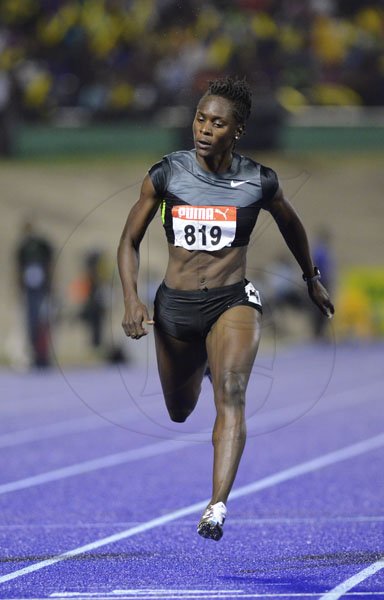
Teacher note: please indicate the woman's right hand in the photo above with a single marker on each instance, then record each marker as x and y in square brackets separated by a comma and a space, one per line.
[136, 313]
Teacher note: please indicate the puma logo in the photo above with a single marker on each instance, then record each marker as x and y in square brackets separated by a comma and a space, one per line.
[222, 212]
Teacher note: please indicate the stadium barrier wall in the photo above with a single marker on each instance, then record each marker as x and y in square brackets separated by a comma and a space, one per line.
[42, 141]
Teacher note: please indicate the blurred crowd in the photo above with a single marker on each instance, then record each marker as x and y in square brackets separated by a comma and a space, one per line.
[109, 58]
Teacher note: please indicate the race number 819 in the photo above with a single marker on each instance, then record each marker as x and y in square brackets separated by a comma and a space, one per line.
[214, 233]
[204, 227]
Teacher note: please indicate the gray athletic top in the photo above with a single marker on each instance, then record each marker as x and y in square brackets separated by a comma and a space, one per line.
[210, 211]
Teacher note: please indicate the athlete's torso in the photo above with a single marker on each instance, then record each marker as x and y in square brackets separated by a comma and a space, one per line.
[209, 211]
[205, 214]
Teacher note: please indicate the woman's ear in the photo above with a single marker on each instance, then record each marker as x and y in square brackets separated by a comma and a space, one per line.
[239, 132]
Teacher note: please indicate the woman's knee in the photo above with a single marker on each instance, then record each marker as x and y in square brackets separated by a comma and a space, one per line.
[231, 392]
[180, 406]
[178, 415]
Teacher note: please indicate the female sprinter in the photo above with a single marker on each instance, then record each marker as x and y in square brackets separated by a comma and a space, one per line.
[205, 309]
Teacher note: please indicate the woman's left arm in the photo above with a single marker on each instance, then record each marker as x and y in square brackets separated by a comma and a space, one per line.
[295, 236]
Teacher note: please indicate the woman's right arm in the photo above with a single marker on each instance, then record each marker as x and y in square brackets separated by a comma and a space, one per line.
[128, 258]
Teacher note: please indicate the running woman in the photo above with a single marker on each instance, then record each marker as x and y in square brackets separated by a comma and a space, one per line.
[206, 311]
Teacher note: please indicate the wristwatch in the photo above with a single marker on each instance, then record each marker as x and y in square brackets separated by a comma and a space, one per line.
[315, 277]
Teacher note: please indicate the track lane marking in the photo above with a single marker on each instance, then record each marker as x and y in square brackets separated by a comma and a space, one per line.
[189, 522]
[301, 469]
[207, 596]
[53, 430]
[105, 462]
[104, 596]
[271, 418]
[87, 423]
[204, 595]
[353, 581]
[43, 432]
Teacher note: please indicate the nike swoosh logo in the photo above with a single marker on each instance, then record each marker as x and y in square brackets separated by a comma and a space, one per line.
[237, 183]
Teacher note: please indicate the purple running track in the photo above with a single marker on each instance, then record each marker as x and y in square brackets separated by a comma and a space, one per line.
[92, 465]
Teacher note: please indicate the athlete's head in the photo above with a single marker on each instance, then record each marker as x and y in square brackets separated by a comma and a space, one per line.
[235, 90]
[221, 115]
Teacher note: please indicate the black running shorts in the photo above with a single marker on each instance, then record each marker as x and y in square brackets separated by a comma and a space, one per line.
[189, 314]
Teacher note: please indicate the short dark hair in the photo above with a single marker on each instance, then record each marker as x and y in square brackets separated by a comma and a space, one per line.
[236, 90]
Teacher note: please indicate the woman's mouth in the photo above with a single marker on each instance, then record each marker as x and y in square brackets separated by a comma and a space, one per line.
[203, 144]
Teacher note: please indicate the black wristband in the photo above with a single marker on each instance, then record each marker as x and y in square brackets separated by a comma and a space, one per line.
[315, 277]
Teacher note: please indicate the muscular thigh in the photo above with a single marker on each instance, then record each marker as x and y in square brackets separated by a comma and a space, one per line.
[232, 343]
[181, 366]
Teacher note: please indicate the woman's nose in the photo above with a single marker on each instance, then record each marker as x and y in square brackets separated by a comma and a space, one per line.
[206, 129]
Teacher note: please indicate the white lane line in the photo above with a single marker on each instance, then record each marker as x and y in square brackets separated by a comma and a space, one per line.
[353, 581]
[190, 522]
[300, 469]
[273, 521]
[75, 425]
[344, 398]
[275, 416]
[207, 596]
[212, 597]
[271, 418]
[43, 432]
[88, 466]
[329, 404]
[155, 593]
[311, 465]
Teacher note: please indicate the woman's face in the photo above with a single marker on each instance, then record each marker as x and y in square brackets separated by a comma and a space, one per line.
[214, 126]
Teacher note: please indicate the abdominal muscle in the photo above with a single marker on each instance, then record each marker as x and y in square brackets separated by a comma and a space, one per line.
[198, 269]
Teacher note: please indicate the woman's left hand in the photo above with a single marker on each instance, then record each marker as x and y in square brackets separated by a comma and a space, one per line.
[319, 295]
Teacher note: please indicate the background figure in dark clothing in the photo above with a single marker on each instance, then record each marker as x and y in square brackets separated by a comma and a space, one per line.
[34, 256]
[94, 309]
[323, 259]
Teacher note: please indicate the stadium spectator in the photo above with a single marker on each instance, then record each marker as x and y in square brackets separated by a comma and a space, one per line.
[93, 310]
[34, 259]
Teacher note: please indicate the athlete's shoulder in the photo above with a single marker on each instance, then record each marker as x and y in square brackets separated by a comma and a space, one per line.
[160, 174]
[246, 162]
[269, 182]
[171, 164]
[268, 177]
[182, 157]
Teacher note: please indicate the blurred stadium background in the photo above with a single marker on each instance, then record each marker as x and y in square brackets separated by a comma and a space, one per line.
[92, 92]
